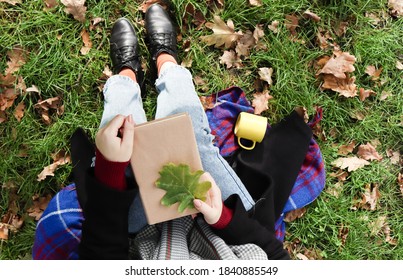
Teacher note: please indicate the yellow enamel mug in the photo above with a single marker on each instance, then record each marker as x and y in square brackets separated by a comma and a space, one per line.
[251, 127]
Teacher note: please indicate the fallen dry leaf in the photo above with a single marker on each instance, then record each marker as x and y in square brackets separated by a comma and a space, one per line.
[400, 182]
[33, 88]
[195, 15]
[39, 205]
[19, 111]
[44, 106]
[310, 15]
[343, 234]
[399, 65]
[256, 3]
[379, 226]
[146, 4]
[274, 26]
[76, 8]
[339, 64]
[59, 159]
[265, 74]
[223, 34]
[294, 214]
[350, 163]
[394, 156]
[396, 7]
[369, 198]
[335, 189]
[11, 2]
[245, 43]
[17, 57]
[373, 72]
[86, 41]
[260, 101]
[365, 93]
[51, 4]
[341, 29]
[341, 175]
[368, 152]
[95, 22]
[231, 59]
[7, 98]
[346, 149]
[345, 87]
[3, 231]
[291, 23]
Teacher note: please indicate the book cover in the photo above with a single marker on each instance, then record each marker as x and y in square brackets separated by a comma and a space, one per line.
[156, 143]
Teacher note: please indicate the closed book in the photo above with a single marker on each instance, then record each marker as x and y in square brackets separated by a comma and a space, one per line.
[157, 143]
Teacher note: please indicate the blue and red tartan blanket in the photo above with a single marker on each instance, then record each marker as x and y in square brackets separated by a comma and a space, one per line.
[58, 232]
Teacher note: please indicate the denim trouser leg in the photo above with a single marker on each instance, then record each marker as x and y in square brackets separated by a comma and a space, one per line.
[123, 96]
[176, 94]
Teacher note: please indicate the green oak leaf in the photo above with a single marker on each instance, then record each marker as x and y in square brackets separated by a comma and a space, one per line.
[181, 185]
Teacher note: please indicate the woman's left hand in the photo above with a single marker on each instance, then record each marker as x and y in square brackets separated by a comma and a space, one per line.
[212, 208]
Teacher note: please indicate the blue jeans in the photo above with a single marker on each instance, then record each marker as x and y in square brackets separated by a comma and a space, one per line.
[176, 94]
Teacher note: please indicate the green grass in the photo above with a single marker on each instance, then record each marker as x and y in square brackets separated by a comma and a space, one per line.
[57, 68]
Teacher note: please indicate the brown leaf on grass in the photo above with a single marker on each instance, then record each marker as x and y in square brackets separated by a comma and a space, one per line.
[256, 3]
[399, 65]
[33, 88]
[50, 4]
[294, 214]
[341, 29]
[350, 163]
[274, 26]
[260, 101]
[291, 23]
[86, 41]
[343, 234]
[44, 106]
[146, 4]
[373, 72]
[16, 58]
[396, 7]
[400, 182]
[346, 149]
[95, 21]
[7, 98]
[231, 59]
[76, 8]
[38, 206]
[335, 189]
[19, 111]
[59, 159]
[369, 198]
[3, 232]
[223, 34]
[368, 152]
[345, 87]
[265, 74]
[310, 15]
[12, 2]
[365, 93]
[394, 156]
[196, 16]
[3, 116]
[339, 65]
[380, 226]
[341, 175]
[106, 73]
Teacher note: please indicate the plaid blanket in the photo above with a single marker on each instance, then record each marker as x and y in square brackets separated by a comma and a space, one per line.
[311, 178]
[58, 232]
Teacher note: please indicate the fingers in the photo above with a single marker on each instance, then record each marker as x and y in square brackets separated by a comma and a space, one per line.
[128, 133]
[113, 126]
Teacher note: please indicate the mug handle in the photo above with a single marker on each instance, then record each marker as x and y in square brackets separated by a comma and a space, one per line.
[246, 148]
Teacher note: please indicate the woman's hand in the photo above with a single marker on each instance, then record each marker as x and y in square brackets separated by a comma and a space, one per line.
[212, 208]
[113, 147]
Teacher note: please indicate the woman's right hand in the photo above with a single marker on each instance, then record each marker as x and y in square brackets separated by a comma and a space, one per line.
[113, 147]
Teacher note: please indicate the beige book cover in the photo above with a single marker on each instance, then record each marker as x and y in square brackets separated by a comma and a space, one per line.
[157, 143]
